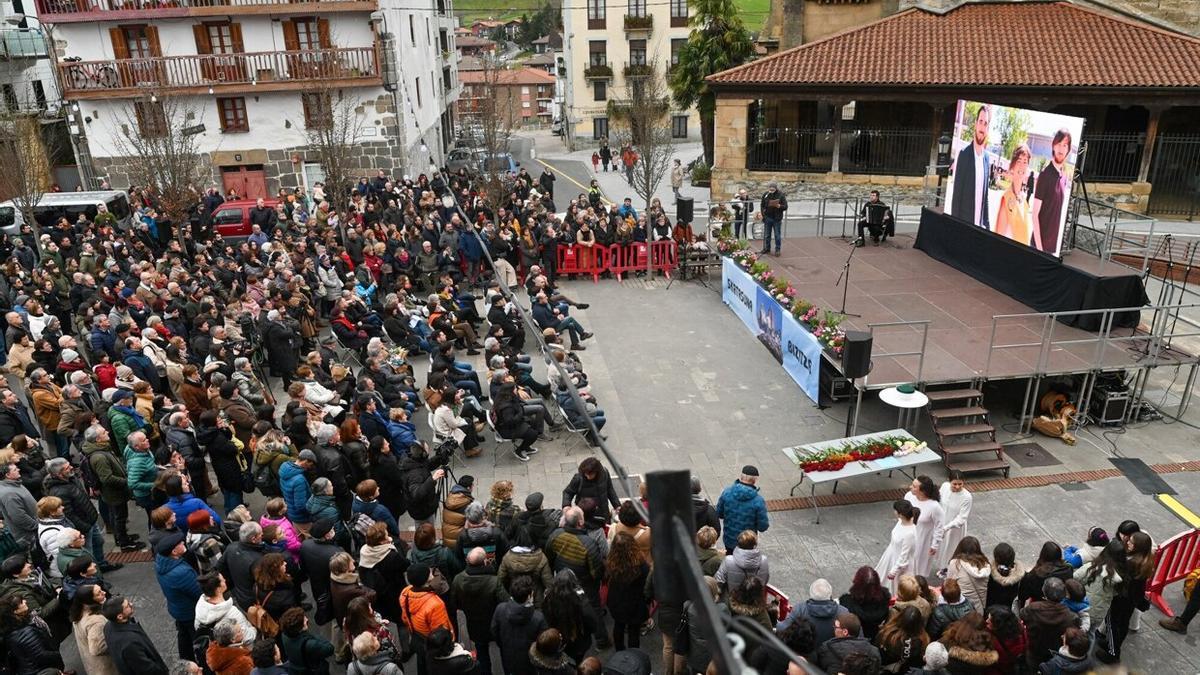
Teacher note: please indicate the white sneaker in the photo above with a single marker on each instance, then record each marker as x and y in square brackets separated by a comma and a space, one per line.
[520, 455]
[531, 451]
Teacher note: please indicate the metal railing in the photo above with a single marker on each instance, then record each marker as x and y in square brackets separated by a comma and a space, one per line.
[903, 152]
[790, 149]
[923, 325]
[22, 43]
[63, 7]
[1113, 157]
[100, 78]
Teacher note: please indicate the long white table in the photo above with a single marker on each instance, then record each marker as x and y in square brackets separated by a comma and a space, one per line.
[904, 464]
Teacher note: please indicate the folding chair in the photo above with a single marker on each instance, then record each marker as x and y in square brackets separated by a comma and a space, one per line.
[500, 440]
[347, 354]
[578, 433]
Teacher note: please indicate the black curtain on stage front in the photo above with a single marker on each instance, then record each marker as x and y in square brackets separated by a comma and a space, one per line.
[1034, 278]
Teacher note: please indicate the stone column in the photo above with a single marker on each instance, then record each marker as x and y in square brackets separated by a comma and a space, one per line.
[730, 126]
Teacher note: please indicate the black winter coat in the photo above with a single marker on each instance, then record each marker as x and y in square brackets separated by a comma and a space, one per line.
[77, 507]
[218, 443]
[601, 489]
[132, 650]
[390, 478]
[386, 578]
[627, 600]
[237, 565]
[31, 648]
[330, 465]
[314, 558]
[514, 628]
[282, 345]
[420, 490]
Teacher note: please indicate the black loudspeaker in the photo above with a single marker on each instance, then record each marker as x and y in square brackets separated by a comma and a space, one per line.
[856, 354]
[684, 209]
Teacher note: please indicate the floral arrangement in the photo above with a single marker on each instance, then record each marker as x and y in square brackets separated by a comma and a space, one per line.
[821, 323]
[834, 459]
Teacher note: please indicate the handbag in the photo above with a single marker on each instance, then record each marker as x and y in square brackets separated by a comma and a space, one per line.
[682, 643]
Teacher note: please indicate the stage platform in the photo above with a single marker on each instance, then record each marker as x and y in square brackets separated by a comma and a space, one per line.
[894, 282]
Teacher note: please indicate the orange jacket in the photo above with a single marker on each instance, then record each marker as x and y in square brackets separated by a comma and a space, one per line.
[423, 612]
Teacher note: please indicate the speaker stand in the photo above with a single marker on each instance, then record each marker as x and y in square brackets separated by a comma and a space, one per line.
[845, 273]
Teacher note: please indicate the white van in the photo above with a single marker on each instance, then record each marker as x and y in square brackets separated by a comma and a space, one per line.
[55, 205]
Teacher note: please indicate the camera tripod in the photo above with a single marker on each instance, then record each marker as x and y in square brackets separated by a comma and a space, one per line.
[447, 481]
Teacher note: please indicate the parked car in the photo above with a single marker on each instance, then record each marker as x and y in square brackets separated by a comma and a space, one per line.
[462, 158]
[232, 219]
[55, 205]
[501, 162]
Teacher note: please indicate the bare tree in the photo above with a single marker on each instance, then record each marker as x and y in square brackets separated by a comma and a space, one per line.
[334, 126]
[160, 138]
[493, 110]
[25, 172]
[640, 119]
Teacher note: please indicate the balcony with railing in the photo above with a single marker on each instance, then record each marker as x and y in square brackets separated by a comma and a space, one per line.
[639, 25]
[72, 11]
[220, 73]
[598, 71]
[22, 43]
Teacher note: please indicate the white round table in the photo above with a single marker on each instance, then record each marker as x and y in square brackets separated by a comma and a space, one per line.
[907, 404]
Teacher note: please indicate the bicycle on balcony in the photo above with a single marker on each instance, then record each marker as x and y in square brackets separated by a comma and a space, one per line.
[91, 75]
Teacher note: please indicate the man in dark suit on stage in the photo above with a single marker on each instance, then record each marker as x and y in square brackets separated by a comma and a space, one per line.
[972, 171]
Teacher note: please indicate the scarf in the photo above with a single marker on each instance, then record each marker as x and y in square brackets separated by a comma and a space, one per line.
[347, 578]
[137, 417]
[371, 556]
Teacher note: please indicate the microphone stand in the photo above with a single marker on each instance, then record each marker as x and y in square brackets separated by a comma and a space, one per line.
[846, 273]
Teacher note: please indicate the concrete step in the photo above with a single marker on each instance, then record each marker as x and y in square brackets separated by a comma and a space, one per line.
[963, 429]
[978, 465]
[967, 448]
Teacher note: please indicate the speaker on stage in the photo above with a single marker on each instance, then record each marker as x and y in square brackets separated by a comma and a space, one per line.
[856, 354]
[683, 209]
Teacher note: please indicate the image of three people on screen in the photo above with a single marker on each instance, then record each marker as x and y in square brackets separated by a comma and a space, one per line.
[1010, 195]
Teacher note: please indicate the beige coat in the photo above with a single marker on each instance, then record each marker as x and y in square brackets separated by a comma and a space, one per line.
[93, 650]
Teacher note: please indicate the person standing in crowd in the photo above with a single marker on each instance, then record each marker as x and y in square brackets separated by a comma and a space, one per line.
[592, 481]
[677, 178]
[742, 508]
[478, 592]
[970, 568]
[516, 624]
[867, 600]
[422, 612]
[132, 651]
[773, 208]
[181, 587]
[570, 548]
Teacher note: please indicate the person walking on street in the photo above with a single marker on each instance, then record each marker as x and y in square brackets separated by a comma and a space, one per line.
[677, 178]
[742, 508]
[629, 159]
[605, 155]
[773, 207]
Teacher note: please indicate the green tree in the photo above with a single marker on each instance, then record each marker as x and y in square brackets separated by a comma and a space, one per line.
[1013, 127]
[968, 129]
[719, 41]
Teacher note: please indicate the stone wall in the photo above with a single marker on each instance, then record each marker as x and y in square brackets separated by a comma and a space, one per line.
[1182, 15]
[796, 22]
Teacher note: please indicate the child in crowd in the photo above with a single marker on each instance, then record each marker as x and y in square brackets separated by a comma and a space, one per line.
[1077, 602]
[1096, 540]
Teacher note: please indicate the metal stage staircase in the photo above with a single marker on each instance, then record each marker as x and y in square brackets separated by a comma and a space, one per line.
[965, 435]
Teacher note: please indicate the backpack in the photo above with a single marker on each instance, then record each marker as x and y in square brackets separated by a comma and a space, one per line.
[90, 480]
[1189, 583]
[265, 481]
[359, 524]
[260, 618]
[37, 554]
[200, 642]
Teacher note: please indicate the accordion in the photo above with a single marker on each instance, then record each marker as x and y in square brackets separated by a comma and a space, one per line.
[875, 213]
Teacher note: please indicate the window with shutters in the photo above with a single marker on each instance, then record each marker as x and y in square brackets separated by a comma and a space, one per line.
[233, 115]
[679, 13]
[600, 90]
[136, 40]
[636, 8]
[597, 11]
[151, 118]
[318, 110]
[308, 34]
[637, 52]
[599, 128]
[597, 52]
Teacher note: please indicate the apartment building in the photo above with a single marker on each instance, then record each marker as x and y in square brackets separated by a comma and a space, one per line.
[608, 42]
[253, 75]
[524, 97]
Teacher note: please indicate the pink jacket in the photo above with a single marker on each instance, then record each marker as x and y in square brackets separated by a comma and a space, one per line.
[290, 535]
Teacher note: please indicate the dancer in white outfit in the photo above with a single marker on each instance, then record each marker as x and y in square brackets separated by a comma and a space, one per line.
[897, 559]
[956, 503]
[924, 496]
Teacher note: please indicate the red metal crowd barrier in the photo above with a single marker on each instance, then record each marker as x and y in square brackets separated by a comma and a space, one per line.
[582, 260]
[1174, 560]
[785, 606]
[664, 255]
[627, 258]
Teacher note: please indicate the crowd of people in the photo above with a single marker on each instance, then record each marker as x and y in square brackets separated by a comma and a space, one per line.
[137, 365]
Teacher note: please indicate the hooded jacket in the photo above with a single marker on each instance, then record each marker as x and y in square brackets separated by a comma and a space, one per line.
[745, 562]
[208, 614]
[820, 613]
[514, 628]
[180, 586]
[1002, 588]
[109, 471]
[972, 580]
[600, 489]
[1045, 621]
[423, 612]
[742, 508]
[231, 660]
[453, 517]
[1064, 664]
[1030, 587]
[964, 661]
[530, 562]
[79, 508]
[140, 472]
[477, 591]
[382, 568]
[294, 486]
[834, 651]
[945, 614]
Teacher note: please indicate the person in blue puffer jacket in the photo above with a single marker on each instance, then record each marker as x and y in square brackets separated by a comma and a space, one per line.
[181, 587]
[295, 488]
[742, 508]
[181, 500]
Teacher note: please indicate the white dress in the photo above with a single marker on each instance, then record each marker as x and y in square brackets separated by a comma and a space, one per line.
[957, 508]
[928, 534]
[897, 559]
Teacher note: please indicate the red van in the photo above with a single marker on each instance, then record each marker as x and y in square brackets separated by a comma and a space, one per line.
[232, 219]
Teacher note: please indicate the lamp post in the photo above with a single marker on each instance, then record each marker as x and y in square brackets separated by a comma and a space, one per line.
[943, 161]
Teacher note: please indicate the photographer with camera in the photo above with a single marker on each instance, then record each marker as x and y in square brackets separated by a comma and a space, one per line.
[421, 473]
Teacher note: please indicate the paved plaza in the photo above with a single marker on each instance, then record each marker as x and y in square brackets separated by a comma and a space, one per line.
[684, 385]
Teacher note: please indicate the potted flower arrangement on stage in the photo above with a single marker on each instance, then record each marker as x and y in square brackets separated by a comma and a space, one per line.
[834, 459]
